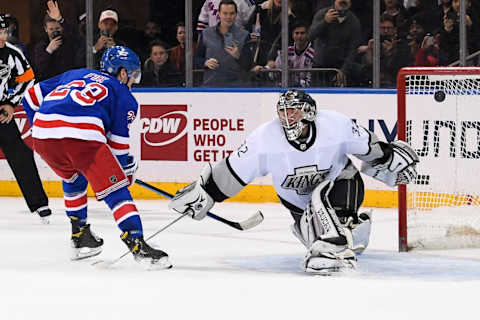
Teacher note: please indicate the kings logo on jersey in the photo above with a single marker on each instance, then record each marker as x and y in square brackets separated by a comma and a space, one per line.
[305, 179]
[23, 125]
[163, 132]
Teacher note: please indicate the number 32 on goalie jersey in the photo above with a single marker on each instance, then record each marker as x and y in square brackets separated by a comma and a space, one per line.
[80, 92]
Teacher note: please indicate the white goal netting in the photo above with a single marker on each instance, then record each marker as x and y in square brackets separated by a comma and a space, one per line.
[443, 125]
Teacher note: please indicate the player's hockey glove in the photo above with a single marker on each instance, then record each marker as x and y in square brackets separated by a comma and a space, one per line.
[130, 168]
[193, 199]
[399, 167]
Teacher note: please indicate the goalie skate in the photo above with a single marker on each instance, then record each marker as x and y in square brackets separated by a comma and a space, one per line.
[325, 258]
[147, 256]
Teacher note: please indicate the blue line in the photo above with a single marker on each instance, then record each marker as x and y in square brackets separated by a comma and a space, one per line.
[253, 90]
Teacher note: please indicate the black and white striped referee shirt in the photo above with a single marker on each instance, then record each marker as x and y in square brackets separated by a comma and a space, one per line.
[16, 75]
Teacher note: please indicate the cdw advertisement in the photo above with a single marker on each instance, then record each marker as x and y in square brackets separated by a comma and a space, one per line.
[170, 132]
[176, 133]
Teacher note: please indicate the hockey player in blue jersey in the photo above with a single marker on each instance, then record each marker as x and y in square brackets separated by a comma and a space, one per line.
[80, 127]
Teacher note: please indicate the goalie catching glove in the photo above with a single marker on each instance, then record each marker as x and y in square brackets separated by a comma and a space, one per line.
[193, 199]
[399, 167]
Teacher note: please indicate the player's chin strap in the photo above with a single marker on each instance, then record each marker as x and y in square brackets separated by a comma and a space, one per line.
[399, 167]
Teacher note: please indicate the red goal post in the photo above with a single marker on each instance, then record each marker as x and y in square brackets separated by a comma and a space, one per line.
[436, 115]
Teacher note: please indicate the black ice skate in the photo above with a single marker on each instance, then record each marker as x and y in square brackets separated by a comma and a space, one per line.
[44, 213]
[145, 254]
[85, 243]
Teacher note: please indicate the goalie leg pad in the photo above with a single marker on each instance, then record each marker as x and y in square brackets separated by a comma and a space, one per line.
[319, 220]
[361, 232]
[193, 199]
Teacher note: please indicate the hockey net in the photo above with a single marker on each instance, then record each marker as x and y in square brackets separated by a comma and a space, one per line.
[439, 116]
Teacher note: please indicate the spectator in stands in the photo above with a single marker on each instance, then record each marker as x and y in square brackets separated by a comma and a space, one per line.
[209, 14]
[416, 33]
[394, 54]
[449, 42]
[158, 71]
[107, 36]
[222, 52]
[335, 31]
[300, 56]
[429, 55]
[363, 10]
[269, 17]
[445, 6]
[57, 52]
[151, 32]
[320, 4]
[395, 9]
[431, 11]
[177, 53]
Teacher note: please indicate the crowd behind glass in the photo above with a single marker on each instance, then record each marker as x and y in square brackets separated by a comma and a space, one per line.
[330, 43]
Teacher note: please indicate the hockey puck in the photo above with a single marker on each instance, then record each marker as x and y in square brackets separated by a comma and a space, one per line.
[4, 112]
[439, 96]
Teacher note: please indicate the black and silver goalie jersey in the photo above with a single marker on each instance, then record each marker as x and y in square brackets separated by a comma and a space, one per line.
[297, 169]
[16, 74]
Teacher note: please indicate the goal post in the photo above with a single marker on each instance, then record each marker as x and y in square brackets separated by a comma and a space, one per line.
[439, 116]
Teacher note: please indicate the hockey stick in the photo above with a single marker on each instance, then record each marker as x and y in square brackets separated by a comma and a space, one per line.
[251, 222]
[102, 264]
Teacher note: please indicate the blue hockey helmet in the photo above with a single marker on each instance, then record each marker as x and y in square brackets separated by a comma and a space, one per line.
[117, 57]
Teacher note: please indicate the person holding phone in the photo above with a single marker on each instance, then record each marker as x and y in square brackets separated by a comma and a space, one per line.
[222, 50]
[428, 55]
[57, 52]
[335, 31]
[107, 34]
[395, 54]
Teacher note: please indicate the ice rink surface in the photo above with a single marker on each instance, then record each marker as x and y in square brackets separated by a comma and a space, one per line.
[222, 273]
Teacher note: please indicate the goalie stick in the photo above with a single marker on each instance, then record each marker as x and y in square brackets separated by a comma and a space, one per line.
[251, 222]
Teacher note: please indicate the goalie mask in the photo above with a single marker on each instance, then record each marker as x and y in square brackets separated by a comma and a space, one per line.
[295, 108]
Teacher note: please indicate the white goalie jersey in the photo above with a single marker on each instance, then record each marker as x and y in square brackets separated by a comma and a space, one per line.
[296, 167]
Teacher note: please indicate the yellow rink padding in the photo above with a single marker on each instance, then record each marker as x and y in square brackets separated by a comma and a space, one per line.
[251, 193]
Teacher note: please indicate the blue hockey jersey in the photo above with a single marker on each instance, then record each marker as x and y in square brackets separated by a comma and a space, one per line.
[82, 104]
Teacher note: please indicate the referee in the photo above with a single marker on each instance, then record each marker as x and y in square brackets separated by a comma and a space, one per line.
[16, 76]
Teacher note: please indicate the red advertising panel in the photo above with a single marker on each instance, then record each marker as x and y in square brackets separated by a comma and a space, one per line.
[23, 125]
[163, 132]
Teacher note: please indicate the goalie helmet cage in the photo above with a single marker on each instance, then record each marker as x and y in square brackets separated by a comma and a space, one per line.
[439, 116]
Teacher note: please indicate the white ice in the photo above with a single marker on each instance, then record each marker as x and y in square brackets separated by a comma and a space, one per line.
[222, 273]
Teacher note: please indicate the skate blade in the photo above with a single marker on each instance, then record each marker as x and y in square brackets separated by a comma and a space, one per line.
[328, 268]
[80, 254]
[359, 249]
[45, 220]
[329, 271]
[152, 265]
